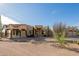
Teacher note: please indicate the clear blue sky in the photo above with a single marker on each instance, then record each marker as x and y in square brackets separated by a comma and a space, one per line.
[45, 14]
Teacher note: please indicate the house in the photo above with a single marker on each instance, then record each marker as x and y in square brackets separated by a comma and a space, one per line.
[24, 31]
[71, 31]
[13, 29]
[17, 30]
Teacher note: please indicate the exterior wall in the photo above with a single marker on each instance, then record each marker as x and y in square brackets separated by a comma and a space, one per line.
[30, 31]
[38, 31]
[47, 32]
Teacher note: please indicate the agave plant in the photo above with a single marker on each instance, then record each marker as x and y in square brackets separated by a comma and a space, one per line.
[59, 32]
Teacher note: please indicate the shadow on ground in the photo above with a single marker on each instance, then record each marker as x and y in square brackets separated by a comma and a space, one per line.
[29, 39]
[68, 48]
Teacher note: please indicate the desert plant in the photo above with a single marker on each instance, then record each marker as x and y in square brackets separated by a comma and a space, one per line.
[77, 42]
[0, 28]
[59, 32]
[77, 32]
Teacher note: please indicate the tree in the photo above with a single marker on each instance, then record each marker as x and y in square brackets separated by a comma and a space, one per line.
[59, 32]
[0, 27]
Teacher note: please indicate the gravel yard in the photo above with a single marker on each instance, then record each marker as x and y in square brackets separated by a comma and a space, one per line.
[10, 48]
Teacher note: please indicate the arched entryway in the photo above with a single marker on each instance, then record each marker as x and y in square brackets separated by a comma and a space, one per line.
[23, 33]
[15, 33]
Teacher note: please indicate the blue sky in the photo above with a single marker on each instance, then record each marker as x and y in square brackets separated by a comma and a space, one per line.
[44, 14]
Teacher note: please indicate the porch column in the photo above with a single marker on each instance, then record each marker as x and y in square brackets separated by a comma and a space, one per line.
[20, 33]
[13, 33]
[9, 33]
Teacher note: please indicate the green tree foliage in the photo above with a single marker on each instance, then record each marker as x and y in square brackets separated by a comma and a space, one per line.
[0, 27]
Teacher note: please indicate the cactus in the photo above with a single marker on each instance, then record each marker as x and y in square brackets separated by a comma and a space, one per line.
[59, 32]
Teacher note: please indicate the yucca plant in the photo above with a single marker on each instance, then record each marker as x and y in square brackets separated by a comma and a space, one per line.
[59, 32]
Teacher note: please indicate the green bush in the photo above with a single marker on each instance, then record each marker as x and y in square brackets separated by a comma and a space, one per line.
[77, 42]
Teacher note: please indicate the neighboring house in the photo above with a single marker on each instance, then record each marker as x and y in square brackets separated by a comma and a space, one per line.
[71, 31]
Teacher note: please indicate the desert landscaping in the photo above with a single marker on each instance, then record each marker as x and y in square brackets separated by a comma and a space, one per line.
[36, 48]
